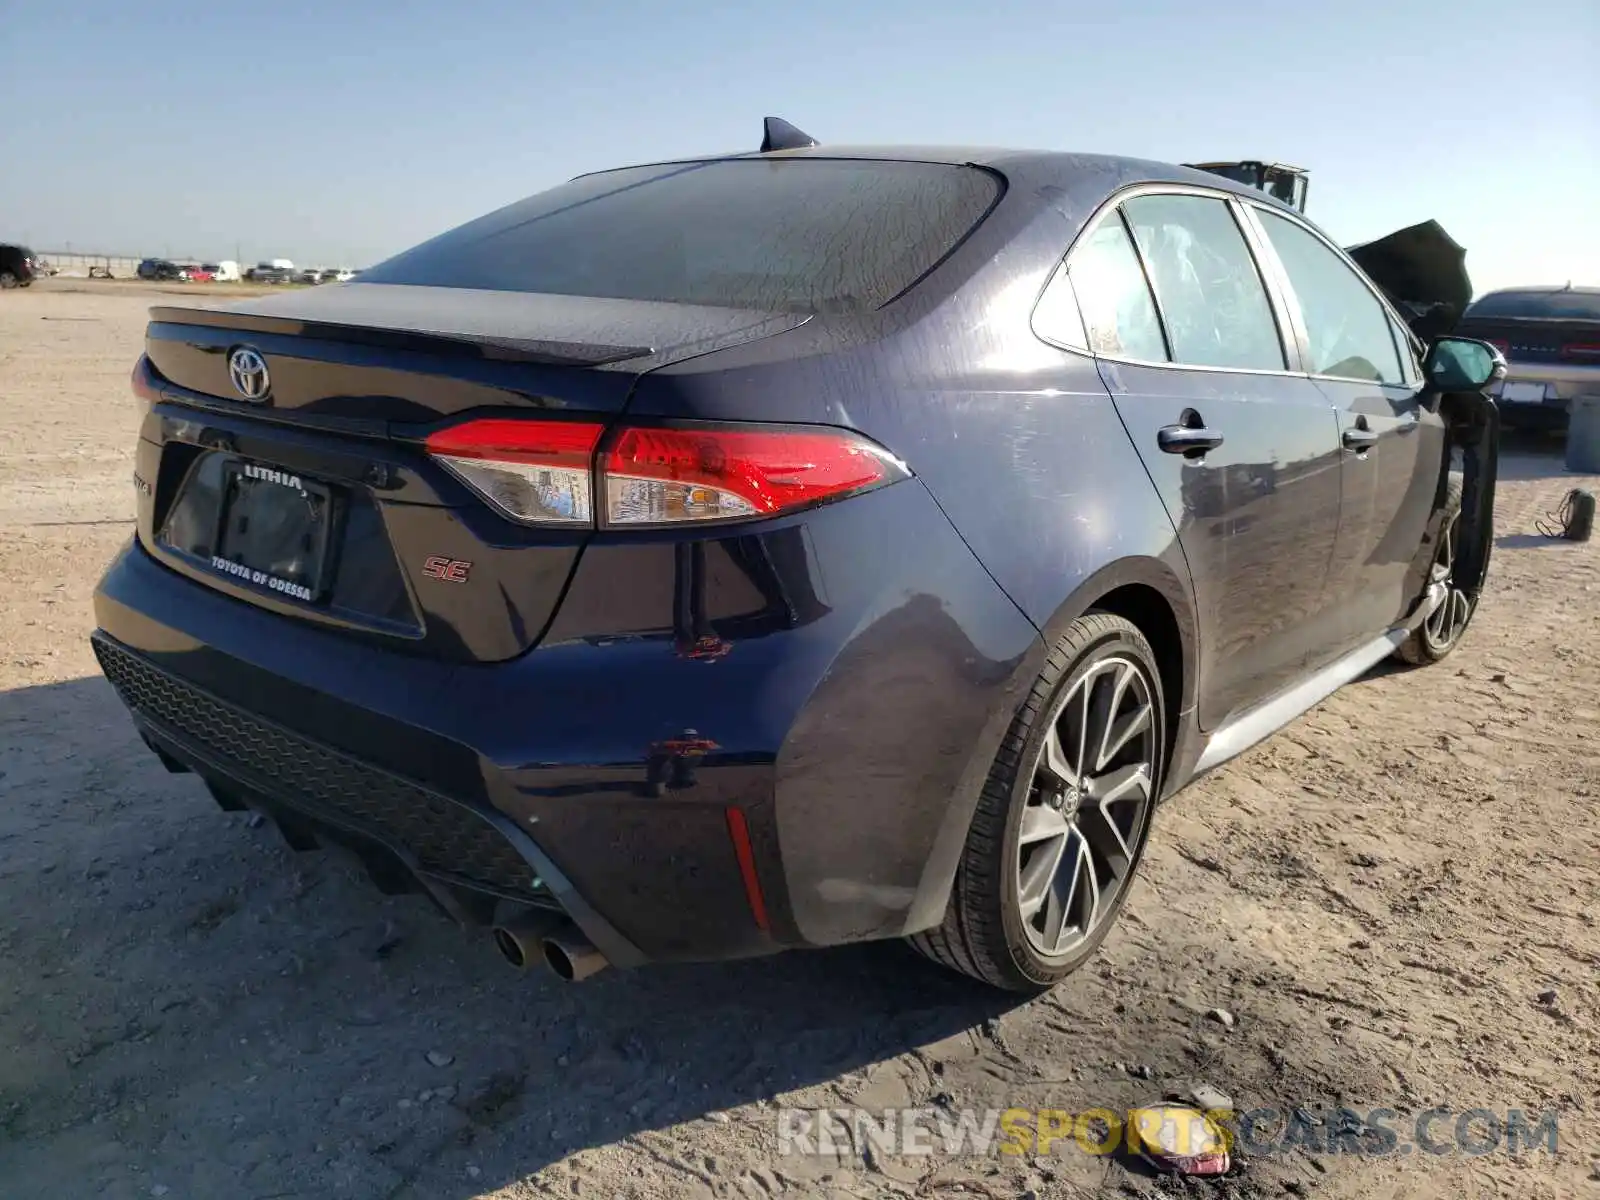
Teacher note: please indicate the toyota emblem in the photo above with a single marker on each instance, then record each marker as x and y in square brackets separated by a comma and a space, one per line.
[248, 370]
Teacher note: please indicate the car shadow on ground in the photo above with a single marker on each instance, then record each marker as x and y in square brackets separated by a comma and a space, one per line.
[214, 1001]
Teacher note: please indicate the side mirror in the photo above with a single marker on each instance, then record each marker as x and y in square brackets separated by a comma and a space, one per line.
[1462, 365]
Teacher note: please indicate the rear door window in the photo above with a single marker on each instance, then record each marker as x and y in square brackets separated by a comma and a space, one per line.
[1208, 289]
[1119, 313]
[790, 235]
[1347, 329]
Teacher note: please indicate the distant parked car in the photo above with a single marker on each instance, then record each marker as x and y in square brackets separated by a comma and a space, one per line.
[309, 275]
[265, 272]
[203, 273]
[161, 269]
[1550, 337]
[18, 266]
[227, 272]
[338, 275]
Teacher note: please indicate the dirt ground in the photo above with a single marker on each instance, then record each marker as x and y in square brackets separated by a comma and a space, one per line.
[1378, 897]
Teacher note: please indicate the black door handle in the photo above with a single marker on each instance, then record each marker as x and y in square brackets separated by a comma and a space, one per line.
[1183, 439]
[1359, 439]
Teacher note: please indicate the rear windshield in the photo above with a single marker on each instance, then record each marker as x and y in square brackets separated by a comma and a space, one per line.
[795, 235]
[1567, 306]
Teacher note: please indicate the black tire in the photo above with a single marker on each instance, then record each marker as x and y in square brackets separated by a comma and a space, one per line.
[1441, 633]
[7, 280]
[983, 933]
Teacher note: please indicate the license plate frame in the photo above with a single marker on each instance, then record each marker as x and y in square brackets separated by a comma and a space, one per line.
[1519, 392]
[261, 487]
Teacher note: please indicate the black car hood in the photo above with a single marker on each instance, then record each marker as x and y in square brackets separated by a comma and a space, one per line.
[1423, 271]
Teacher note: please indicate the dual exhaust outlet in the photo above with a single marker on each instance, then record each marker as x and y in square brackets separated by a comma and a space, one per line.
[549, 938]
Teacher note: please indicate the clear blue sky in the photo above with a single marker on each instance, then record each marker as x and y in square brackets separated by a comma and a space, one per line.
[343, 130]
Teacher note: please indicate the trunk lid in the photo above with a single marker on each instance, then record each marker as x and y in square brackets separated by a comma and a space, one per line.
[314, 498]
[390, 352]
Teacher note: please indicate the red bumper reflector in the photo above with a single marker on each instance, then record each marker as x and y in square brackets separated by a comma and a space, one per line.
[739, 832]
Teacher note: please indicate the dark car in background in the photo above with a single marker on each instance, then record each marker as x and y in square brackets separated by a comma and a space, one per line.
[160, 269]
[266, 272]
[714, 557]
[18, 266]
[1550, 337]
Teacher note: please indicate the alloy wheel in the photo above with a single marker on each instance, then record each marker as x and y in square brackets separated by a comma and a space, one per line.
[1090, 796]
[1446, 623]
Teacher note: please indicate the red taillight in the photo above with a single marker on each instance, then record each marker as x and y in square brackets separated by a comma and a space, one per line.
[145, 384]
[536, 472]
[1582, 351]
[1501, 345]
[542, 472]
[668, 476]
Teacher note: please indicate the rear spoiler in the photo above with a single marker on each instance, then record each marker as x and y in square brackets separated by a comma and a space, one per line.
[482, 346]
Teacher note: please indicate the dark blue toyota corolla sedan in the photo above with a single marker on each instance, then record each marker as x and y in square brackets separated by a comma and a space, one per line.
[787, 549]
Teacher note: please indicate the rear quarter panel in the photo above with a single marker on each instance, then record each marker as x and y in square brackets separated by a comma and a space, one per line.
[1019, 444]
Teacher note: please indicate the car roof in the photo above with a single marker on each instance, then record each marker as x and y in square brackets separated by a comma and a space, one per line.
[1058, 165]
[1545, 289]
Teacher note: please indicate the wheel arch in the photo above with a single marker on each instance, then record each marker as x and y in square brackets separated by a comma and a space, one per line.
[1148, 592]
[1151, 594]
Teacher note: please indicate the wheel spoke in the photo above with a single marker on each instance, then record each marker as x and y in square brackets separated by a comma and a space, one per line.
[1039, 873]
[1115, 785]
[1121, 731]
[1098, 824]
[1040, 821]
[1080, 899]
[1058, 895]
[1460, 609]
[1055, 760]
[1100, 705]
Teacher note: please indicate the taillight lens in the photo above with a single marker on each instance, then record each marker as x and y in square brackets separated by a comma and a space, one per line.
[145, 384]
[544, 473]
[535, 472]
[1581, 351]
[674, 476]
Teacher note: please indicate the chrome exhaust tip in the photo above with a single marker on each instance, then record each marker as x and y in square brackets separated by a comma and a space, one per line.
[572, 956]
[520, 940]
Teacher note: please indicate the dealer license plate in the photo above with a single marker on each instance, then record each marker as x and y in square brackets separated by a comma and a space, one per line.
[275, 530]
[1522, 393]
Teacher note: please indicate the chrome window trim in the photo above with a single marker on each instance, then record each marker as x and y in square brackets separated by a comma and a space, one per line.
[1394, 319]
[1267, 290]
[1059, 275]
[1112, 207]
[1280, 293]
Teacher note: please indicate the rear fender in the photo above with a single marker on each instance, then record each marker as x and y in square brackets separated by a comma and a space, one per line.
[1118, 579]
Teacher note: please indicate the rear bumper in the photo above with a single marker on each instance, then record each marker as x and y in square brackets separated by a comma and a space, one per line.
[1563, 382]
[849, 716]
